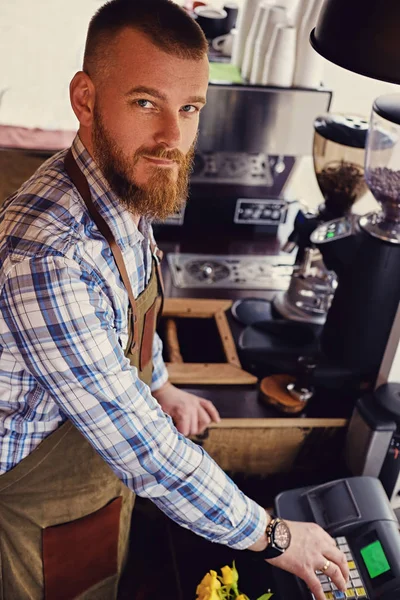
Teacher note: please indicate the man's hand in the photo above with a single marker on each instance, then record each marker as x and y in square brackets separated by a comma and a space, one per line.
[191, 414]
[310, 549]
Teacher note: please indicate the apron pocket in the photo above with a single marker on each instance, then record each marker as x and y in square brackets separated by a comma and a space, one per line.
[79, 554]
[149, 327]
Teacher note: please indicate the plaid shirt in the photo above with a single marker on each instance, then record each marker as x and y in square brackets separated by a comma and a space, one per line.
[63, 328]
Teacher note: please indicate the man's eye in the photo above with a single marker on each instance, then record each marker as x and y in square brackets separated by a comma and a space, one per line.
[189, 108]
[144, 103]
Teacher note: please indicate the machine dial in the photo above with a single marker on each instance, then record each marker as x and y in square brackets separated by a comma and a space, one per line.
[209, 271]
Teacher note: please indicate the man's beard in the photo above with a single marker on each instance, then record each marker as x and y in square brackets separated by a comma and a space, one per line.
[161, 196]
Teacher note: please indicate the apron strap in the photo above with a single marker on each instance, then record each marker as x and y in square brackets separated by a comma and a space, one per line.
[157, 257]
[80, 182]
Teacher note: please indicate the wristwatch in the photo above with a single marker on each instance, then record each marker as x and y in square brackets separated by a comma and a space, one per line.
[278, 539]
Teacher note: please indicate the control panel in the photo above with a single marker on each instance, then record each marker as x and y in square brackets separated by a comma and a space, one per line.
[260, 212]
[332, 231]
[232, 168]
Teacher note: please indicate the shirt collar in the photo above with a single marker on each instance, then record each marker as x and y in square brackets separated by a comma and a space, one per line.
[118, 218]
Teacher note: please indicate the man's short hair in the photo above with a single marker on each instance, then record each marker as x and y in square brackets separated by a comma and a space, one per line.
[168, 26]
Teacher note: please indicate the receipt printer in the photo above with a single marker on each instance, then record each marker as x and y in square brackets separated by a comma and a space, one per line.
[357, 513]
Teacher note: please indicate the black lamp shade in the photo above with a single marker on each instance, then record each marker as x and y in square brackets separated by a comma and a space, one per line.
[362, 36]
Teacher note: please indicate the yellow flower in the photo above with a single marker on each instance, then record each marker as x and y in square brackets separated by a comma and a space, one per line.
[209, 595]
[230, 575]
[207, 588]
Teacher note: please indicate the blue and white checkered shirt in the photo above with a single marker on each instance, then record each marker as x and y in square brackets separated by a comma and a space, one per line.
[63, 330]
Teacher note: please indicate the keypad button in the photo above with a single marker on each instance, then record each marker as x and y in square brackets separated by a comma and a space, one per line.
[339, 595]
[351, 593]
[329, 595]
[360, 592]
[351, 564]
[326, 587]
[357, 583]
[341, 540]
[348, 556]
[349, 584]
[354, 574]
[323, 578]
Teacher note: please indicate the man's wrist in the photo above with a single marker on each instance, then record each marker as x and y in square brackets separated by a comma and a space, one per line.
[278, 536]
[161, 389]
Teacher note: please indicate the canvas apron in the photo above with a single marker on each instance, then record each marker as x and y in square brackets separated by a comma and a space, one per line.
[64, 514]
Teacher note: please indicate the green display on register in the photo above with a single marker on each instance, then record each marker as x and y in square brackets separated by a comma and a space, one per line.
[375, 559]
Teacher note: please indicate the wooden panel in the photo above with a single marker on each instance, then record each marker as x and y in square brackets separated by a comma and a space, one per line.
[269, 446]
[182, 373]
[227, 339]
[172, 342]
[278, 423]
[208, 374]
[194, 307]
[15, 168]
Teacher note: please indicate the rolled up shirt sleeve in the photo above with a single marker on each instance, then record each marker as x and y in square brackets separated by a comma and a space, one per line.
[60, 322]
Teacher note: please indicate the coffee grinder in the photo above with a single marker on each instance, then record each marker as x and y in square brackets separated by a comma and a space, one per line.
[338, 153]
[282, 341]
[365, 252]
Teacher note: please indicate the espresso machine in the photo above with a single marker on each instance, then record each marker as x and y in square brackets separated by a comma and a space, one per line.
[338, 152]
[248, 143]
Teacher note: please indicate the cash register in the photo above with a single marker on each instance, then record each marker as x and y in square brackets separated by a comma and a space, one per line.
[357, 513]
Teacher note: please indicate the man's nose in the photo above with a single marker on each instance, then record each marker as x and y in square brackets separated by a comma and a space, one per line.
[169, 132]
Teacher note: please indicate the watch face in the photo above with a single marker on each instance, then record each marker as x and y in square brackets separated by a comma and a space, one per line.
[282, 535]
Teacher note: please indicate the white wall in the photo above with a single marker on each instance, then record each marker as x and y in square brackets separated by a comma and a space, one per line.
[352, 92]
[41, 47]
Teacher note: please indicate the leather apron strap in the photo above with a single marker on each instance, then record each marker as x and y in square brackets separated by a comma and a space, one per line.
[157, 258]
[80, 182]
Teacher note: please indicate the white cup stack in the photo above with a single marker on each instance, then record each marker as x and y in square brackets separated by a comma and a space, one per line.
[272, 43]
[270, 18]
[244, 22]
[309, 64]
[249, 49]
[280, 60]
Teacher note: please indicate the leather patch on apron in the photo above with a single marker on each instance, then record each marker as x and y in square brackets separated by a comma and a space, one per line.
[79, 554]
[149, 327]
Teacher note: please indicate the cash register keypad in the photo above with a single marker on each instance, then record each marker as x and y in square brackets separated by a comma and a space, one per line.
[355, 586]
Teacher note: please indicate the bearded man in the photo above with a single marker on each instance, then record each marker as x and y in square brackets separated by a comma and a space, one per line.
[87, 416]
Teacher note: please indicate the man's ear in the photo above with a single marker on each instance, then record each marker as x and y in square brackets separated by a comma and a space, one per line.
[82, 95]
